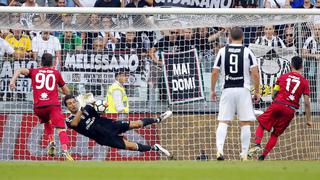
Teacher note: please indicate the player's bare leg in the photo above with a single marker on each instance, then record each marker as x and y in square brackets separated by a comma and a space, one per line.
[64, 140]
[148, 121]
[133, 146]
[245, 139]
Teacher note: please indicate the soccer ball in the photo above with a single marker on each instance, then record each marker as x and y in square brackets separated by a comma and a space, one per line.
[101, 106]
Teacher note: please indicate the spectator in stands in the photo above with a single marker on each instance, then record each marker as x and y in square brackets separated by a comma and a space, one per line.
[129, 43]
[98, 44]
[168, 43]
[146, 38]
[3, 2]
[289, 36]
[73, 3]
[14, 18]
[109, 3]
[55, 20]
[277, 4]
[110, 38]
[20, 42]
[26, 18]
[38, 22]
[201, 37]
[94, 23]
[16, 3]
[315, 3]
[50, 3]
[186, 41]
[269, 39]
[220, 36]
[311, 52]
[139, 20]
[6, 50]
[62, 21]
[297, 3]
[68, 21]
[4, 33]
[46, 43]
[307, 4]
[70, 41]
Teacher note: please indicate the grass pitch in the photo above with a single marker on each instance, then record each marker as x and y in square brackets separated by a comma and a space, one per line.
[300, 170]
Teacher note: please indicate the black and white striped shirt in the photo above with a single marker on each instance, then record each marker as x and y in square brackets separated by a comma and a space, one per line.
[312, 45]
[235, 62]
[274, 42]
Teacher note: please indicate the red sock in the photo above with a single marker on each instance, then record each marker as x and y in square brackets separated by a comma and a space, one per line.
[48, 131]
[64, 140]
[259, 134]
[270, 145]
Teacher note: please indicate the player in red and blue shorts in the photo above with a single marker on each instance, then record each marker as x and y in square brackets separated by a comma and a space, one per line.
[287, 92]
[45, 82]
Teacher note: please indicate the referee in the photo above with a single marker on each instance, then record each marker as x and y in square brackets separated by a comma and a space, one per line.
[238, 67]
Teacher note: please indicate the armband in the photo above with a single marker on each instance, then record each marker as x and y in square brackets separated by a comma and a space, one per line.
[276, 88]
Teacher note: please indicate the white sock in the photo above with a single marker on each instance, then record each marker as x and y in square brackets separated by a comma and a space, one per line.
[245, 139]
[221, 136]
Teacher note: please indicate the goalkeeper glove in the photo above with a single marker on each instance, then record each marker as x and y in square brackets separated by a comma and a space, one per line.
[85, 99]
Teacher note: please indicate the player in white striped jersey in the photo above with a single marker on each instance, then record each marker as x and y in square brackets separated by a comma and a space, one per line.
[237, 65]
[269, 39]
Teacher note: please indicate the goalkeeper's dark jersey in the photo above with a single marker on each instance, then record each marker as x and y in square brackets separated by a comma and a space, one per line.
[103, 130]
[87, 125]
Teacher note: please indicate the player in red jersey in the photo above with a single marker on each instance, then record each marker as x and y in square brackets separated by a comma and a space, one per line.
[287, 92]
[45, 81]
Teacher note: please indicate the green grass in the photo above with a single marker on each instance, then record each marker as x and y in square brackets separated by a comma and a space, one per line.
[300, 170]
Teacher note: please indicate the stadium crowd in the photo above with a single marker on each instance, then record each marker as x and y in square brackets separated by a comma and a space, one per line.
[18, 44]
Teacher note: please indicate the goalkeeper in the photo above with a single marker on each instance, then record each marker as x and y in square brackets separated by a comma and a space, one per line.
[104, 131]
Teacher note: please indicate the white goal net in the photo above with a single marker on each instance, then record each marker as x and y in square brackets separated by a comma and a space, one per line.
[170, 53]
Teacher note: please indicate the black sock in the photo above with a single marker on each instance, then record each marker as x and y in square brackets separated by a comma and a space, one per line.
[143, 148]
[147, 121]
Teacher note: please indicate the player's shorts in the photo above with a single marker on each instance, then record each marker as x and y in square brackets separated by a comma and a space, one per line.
[109, 131]
[276, 118]
[236, 101]
[51, 113]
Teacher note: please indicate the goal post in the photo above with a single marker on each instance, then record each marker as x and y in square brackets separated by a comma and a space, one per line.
[170, 53]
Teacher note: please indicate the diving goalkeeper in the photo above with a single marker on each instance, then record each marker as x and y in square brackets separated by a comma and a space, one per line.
[104, 131]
